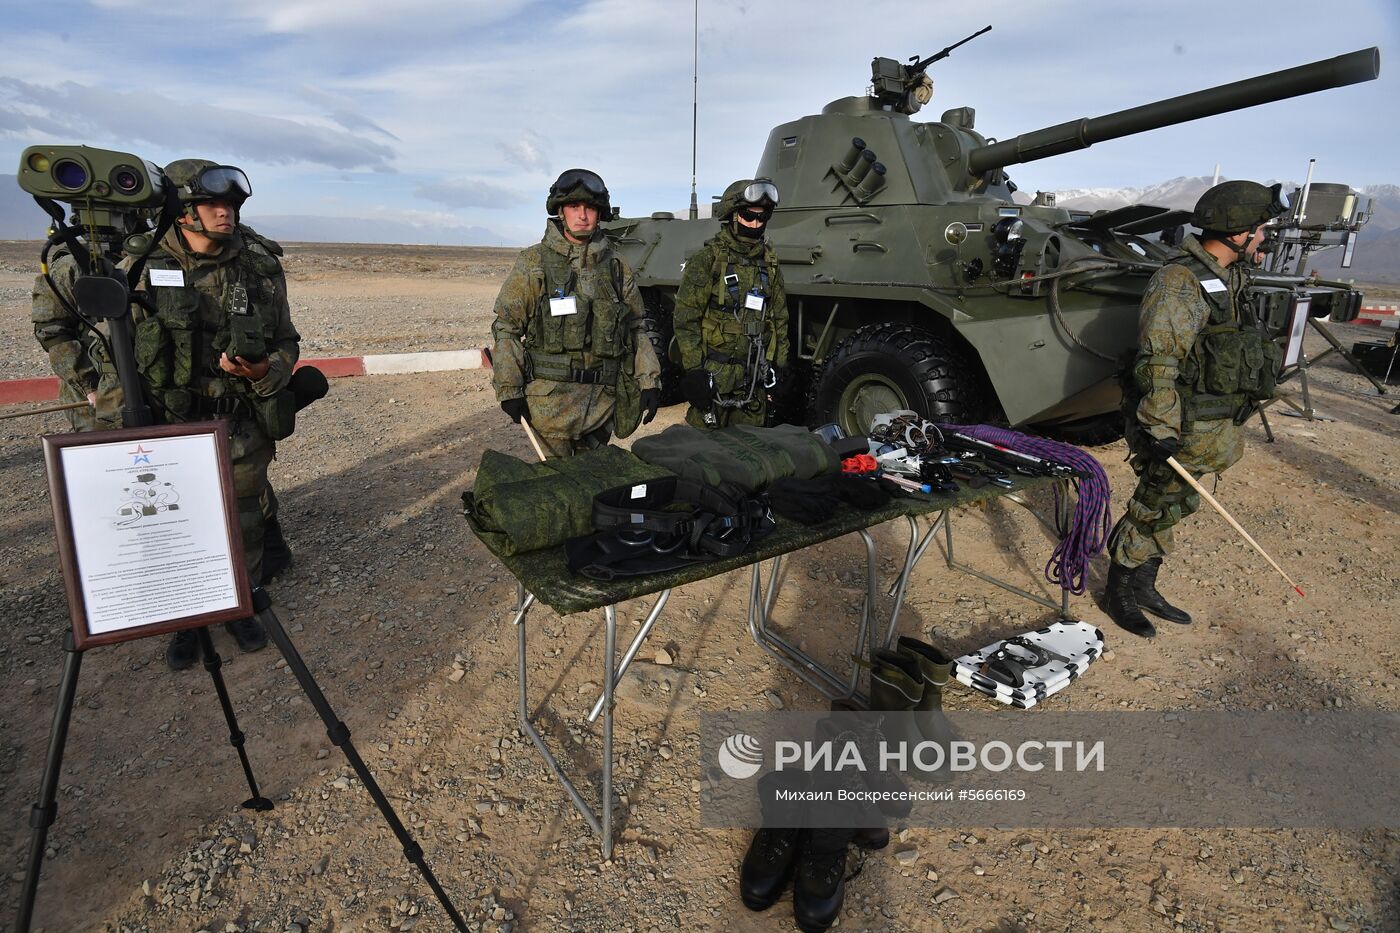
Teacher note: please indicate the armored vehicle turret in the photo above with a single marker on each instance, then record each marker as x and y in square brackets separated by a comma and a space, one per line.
[915, 280]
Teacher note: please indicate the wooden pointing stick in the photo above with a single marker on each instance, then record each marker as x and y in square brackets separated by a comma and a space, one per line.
[539, 451]
[1181, 471]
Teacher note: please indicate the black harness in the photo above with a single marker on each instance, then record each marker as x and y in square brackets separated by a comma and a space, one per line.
[640, 530]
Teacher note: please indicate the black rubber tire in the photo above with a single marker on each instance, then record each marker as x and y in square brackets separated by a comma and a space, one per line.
[661, 329]
[1094, 431]
[894, 365]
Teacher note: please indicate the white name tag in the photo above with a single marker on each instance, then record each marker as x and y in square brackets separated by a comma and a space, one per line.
[639, 491]
[753, 302]
[558, 307]
[168, 277]
[1213, 285]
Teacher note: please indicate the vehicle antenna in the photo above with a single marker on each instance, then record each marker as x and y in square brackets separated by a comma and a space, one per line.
[695, 114]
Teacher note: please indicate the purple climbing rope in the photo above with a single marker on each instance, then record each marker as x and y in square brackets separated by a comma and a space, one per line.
[1088, 528]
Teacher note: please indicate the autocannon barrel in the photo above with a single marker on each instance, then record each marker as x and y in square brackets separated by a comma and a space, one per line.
[1352, 68]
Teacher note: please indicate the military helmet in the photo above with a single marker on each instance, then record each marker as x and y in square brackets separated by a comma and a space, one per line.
[197, 180]
[756, 191]
[578, 186]
[1233, 207]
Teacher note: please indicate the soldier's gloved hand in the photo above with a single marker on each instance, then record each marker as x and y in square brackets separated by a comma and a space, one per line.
[651, 400]
[516, 408]
[698, 388]
[1163, 447]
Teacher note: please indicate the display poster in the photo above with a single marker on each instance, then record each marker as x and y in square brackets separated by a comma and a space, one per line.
[148, 531]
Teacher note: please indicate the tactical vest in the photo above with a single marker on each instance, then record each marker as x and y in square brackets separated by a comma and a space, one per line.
[1233, 364]
[556, 343]
[178, 348]
[728, 325]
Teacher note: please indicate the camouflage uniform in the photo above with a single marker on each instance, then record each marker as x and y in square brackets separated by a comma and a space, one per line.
[1164, 402]
[712, 324]
[542, 357]
[77, 356]
[197, 315]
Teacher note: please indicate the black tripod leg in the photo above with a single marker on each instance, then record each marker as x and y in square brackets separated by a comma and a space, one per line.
[339, 734]
[41, 817]
[213, 664]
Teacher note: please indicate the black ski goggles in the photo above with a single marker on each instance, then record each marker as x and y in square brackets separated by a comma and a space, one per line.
[575, 177]
[222, 182]
[760, 191]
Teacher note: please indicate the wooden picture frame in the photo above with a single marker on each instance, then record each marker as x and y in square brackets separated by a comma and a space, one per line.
[183, 568]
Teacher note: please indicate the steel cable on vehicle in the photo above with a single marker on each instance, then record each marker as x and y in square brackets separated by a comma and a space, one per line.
[1089, 526]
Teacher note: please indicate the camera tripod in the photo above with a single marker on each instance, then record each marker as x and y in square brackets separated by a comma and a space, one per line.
[43, 814]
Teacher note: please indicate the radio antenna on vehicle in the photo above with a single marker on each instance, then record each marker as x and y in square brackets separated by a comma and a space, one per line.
[695, 114]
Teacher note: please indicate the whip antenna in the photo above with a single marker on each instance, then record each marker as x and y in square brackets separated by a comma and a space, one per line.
[695, 113]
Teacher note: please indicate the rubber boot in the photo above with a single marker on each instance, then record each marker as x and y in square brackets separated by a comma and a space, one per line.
[277, 555]
[1120, 601]
[772, 856]
[1149, 600]
[819, 888]
[896, 683]
[936, 668]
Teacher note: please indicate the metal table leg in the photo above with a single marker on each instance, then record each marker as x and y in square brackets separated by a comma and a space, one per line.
[602, 824]
[822, 678]
[632, 650]
[1062, 607]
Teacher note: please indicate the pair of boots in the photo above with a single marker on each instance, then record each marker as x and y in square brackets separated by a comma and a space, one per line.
[183, 649]
[910, 679]
[1131, 590]
[813, 860]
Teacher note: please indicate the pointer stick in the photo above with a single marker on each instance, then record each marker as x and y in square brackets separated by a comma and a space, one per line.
[1181, 471]
[539, 451]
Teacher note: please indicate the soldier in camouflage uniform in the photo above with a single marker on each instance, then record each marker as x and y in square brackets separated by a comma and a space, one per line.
[570, 351]
[731, 316]
[76, 354]
[1203, 364]
[221, 345]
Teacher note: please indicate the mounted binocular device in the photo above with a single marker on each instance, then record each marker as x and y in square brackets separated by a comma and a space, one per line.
[87, 177]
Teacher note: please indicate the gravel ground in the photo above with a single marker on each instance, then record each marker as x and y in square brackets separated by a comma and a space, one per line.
[402, 616]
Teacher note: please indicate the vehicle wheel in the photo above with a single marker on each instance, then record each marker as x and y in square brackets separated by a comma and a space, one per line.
[661, 329]
[884, 367]
[1094, 431]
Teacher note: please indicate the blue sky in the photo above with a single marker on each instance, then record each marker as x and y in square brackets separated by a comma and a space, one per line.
[458, 113]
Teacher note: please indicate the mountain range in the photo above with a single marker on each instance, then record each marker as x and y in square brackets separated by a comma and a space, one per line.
[1377, 256]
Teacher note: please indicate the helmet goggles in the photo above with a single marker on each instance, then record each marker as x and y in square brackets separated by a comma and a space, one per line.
[222, 182]
[576, 177]
[760, 191]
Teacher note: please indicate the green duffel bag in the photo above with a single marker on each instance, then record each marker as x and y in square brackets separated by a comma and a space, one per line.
[515, 507]
[741, 456]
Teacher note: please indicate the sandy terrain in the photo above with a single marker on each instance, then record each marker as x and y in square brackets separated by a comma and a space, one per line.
[402, 616]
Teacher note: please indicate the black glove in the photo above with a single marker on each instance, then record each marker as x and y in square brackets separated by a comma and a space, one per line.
[698, 388]
[515, 409]
[1163, 447]
[651, 400]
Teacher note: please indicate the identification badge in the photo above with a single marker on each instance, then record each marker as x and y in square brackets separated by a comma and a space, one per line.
[639, 491]
[1213, 285]
[753, 302]
[168, 277]
[559, 307]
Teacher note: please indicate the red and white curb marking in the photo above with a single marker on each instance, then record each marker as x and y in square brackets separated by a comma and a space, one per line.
[1379, 316]
[45, 389]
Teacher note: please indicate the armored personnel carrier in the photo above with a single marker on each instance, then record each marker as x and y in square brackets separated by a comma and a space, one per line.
[915, 281]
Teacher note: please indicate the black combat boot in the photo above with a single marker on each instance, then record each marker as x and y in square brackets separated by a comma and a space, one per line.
[1120, 601]
[248, 633]
[1148, 599]
[277, 555]
[183, 650]
[819, 889]
[772, 855]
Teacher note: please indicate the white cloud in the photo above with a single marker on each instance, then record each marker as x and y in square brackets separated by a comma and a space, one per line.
[94, 113]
